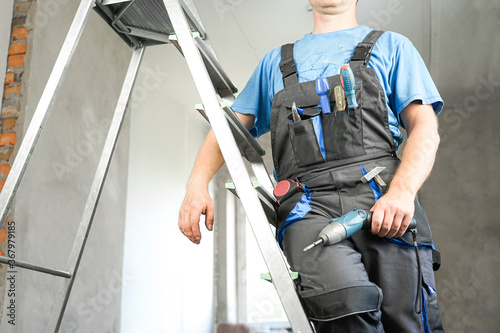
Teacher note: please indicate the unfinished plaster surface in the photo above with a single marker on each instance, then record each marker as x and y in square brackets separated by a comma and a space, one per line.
[51, 198]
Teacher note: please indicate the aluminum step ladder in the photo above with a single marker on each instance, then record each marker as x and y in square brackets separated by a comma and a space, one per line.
[142, 23]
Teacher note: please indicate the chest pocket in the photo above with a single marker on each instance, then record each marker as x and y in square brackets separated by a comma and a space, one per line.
[327, 137]
[306, 142]
[343, 134]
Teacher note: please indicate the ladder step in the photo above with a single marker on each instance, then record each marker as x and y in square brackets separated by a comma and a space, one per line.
[140, 16]
[146, 23]
[221, 82]
[267, 276]
[41, 269]
[267, 200]
[249, 147]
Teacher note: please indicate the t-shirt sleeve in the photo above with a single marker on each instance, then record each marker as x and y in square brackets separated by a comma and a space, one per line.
[256, 97]
[410, 80]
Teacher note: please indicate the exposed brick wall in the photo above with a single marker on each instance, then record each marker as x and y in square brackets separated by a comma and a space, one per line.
[12, 105]
[13, 89]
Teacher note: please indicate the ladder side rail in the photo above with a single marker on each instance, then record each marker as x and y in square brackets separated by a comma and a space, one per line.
[95, 193]
[268, 203]
[194, 20]
[195, 17]
[262, 175]
[248, 146]
[268, 246]
[243, 132]
[43, 109]
[220, 79]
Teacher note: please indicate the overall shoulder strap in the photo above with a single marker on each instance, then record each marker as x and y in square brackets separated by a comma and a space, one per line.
[363, 50]
[287, 66]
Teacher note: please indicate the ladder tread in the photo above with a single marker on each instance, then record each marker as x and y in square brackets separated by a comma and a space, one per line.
[146, 23]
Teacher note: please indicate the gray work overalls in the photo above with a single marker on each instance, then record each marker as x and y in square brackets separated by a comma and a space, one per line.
[364, 283]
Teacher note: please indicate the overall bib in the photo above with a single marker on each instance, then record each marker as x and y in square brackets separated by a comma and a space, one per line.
[364, 283]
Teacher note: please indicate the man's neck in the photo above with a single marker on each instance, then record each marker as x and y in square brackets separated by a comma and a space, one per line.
[324, 23]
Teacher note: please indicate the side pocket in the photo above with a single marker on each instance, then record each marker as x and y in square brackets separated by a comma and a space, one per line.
[431, 318]
[304, 143]
[431, 313]
[343, 134]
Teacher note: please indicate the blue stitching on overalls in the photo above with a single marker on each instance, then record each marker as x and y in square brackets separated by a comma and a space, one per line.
[400, 243]
[425, 320]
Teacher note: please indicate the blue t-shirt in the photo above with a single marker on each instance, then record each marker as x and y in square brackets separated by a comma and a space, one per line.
[398, 66]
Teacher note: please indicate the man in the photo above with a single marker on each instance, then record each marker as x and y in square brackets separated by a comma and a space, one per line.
[370, 282]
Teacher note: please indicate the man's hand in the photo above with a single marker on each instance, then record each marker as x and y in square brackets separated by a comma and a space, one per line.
[196, 202]
[393, 212]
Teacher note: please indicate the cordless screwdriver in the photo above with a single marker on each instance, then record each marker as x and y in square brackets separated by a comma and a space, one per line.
[345, 226]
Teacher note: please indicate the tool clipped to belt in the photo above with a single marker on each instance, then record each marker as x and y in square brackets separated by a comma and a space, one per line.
[374, 174]
[285, 189]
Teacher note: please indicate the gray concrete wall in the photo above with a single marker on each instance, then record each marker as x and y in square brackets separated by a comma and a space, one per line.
[462, 201]
[52, 195]
[462, 194]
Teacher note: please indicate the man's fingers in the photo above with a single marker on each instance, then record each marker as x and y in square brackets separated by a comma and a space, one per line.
[404, 226]
[377, 218]
[386, 225]
[209, 217]
[189, 223]
[395, 227]
[194, 223]
[184, 224]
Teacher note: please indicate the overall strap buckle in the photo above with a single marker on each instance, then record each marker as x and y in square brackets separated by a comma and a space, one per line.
[362, 52]
[287, 66]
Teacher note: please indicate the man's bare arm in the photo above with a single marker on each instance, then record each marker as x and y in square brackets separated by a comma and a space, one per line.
[393, 212]
[197, 200]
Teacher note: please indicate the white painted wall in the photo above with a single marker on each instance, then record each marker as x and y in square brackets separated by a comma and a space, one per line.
[6, 7]
[170, 289]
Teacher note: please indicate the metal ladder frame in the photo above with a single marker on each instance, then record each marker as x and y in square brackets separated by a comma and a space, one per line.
[198, 54]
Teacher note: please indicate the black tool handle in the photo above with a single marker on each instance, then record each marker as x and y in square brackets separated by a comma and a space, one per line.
[367, 224]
